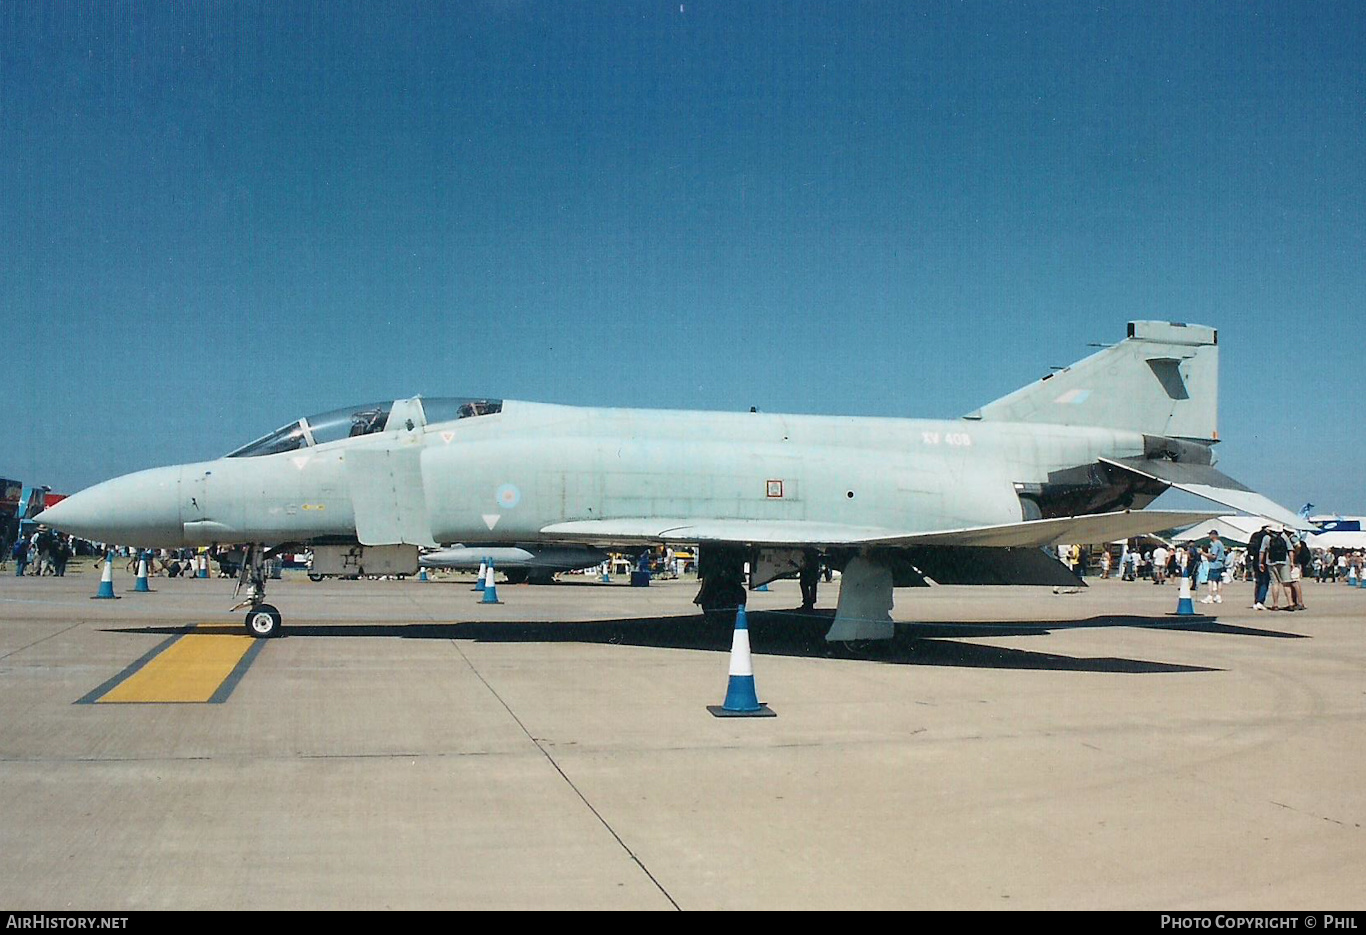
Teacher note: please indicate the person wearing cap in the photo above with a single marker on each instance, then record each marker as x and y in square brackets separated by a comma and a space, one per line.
[1216, 555]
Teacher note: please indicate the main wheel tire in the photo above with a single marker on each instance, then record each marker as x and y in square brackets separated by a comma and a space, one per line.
[516, 575]
[314, 576]
[263, 621]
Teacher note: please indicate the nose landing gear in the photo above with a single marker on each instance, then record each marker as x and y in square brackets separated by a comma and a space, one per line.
[263, 620]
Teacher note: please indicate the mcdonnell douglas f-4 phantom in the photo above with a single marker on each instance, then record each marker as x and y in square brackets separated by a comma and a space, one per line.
[1073, 457]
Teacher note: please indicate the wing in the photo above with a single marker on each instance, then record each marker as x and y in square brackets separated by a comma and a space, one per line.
[1100, 527]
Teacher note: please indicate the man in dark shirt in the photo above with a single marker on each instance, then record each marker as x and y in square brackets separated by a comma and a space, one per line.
[1260, 573]
[61, 554]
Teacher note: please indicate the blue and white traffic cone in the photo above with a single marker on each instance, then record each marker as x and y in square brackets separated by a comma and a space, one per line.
[490, 588]
[741, 698]
[140, 585]
[1184, 607]
[606, 575]
[479, 579]
[106, 590]
[202, 563]
[1352, 576]
[422, 575]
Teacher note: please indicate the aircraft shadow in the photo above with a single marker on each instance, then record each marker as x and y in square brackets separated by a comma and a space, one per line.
[1044, 627]
[775, 633]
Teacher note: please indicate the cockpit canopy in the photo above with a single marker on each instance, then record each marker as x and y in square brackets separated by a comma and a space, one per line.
[366, 419]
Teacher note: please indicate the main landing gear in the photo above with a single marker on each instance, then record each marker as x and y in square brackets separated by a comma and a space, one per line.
[722, 572]
[263, 620]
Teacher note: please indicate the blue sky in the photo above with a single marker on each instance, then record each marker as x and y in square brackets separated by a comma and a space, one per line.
[219, 216]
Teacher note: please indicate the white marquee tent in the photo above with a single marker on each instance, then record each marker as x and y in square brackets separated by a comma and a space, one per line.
[1235, 530]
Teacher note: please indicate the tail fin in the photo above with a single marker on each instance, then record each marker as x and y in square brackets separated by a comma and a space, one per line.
[1163, 379]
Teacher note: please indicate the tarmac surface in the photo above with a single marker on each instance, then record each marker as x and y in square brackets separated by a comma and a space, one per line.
[405, 746]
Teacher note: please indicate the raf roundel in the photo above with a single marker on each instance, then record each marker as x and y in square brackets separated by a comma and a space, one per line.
[508, 496]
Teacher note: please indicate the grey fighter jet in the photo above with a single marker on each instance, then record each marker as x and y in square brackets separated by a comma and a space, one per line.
[892, 503]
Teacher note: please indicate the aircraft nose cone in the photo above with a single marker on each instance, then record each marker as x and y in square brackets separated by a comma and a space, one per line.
[141, 509]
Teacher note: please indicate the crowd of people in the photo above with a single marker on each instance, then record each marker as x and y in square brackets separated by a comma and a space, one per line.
[44, 552]
[1276, 559]
[47, 552]
[172, 562]
[1207, 565]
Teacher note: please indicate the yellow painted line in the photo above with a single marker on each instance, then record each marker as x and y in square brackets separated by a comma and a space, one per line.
[191, 669]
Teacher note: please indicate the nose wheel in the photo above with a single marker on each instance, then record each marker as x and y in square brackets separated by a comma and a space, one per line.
[263, 621]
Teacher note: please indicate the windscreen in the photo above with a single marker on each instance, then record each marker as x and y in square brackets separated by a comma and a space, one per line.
[285, 438]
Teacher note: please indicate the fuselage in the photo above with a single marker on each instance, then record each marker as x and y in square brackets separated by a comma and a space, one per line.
[505, 475]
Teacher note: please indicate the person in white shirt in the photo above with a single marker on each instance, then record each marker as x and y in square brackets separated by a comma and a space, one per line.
[1160, 565]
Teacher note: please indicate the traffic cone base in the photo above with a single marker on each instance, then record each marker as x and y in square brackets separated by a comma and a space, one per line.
[722, 711]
